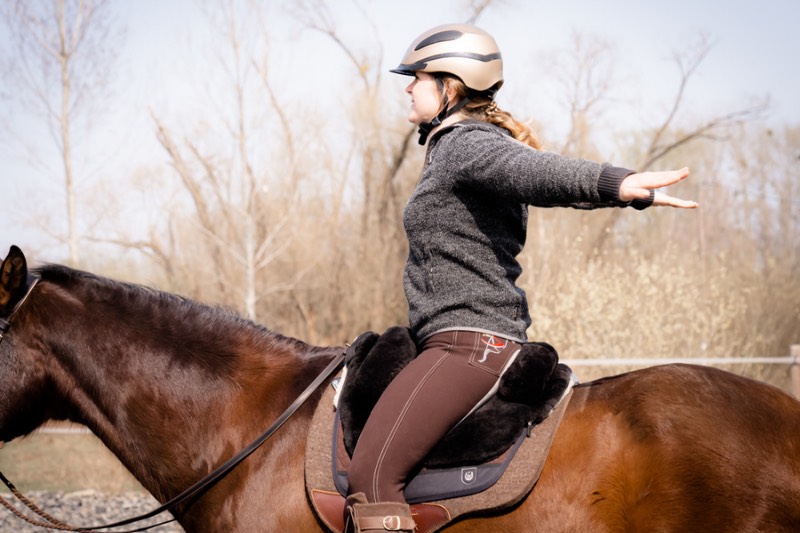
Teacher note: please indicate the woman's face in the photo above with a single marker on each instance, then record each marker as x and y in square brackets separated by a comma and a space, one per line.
[426, 100]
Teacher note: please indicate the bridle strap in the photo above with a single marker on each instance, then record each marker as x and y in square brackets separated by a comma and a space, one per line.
[211, 478]
[5, 323]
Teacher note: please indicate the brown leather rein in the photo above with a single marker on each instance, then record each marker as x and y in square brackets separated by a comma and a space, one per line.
[200, 486]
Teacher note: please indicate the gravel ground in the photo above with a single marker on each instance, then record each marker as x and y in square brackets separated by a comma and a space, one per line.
[86, 508]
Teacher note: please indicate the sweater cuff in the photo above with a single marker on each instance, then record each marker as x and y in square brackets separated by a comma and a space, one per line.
[609, 182]
[640, 204]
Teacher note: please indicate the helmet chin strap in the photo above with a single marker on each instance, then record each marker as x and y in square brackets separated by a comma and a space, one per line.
[425, 128]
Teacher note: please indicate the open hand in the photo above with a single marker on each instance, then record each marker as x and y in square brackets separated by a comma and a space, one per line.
[639, 186]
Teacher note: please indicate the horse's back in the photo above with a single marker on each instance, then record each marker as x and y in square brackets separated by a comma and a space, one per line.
[679, 402]
[670, 448]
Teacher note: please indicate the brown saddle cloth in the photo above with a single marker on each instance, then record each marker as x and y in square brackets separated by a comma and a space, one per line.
[515, 483]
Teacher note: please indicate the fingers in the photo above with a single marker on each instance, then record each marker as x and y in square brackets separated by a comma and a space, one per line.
[662, 199]
[640, 185]
[657, 179]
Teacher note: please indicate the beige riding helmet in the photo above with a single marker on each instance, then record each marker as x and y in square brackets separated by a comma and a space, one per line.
[459, 49]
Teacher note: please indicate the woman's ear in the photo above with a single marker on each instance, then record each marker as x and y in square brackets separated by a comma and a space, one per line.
[450, 88]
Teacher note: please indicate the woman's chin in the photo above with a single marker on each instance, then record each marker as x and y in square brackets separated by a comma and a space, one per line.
[415, 118]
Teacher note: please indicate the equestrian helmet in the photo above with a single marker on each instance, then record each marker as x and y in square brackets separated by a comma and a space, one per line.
[462, 50]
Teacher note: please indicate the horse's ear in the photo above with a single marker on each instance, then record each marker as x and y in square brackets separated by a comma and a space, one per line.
[13, 276]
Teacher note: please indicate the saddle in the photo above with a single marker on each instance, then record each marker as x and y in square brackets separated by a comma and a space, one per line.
[467, 470]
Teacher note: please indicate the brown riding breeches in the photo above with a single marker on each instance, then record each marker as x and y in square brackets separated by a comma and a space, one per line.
[453, 372]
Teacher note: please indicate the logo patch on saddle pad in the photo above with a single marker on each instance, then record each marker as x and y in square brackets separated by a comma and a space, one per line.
[468, 475]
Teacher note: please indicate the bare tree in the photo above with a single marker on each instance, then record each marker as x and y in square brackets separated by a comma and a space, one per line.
[476, 8]
[666, 137]
[661, 141]
[584, 75]
[240, 213]
[64, 53]
[380, 158]
[379, 151]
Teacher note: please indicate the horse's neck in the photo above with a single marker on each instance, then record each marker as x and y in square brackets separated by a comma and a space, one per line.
[168, 416]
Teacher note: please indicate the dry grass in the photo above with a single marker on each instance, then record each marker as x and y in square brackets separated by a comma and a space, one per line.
[64, 462]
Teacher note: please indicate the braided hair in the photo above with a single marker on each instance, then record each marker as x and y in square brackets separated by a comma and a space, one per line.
[481, 106]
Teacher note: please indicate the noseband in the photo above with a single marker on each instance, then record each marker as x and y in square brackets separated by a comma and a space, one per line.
[5, 323]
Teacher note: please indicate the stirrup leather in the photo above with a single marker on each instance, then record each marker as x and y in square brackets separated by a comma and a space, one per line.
[386, 523]
[381, 516]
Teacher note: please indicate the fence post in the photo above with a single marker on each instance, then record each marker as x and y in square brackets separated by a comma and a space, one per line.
[794, 369]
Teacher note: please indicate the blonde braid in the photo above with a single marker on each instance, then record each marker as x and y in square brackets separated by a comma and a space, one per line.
[482, 107]
[519, 130]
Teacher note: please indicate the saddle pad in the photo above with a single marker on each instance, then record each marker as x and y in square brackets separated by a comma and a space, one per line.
[515, 483]
[432, 484]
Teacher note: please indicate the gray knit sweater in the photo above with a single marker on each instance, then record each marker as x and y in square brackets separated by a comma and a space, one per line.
[466, 224]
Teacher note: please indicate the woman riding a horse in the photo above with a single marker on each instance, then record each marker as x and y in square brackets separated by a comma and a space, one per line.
[465, 224]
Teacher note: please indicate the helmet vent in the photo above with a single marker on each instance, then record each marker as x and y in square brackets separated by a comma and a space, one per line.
[449, 35]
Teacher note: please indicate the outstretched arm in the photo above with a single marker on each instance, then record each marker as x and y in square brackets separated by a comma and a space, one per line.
[642, 185]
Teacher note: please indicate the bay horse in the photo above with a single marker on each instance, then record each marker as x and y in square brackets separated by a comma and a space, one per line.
[174, 388]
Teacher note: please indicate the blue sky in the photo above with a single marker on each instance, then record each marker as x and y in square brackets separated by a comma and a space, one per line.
[755, 53]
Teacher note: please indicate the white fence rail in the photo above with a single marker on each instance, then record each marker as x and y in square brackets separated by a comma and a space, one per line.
[792, 361]
[707, 361]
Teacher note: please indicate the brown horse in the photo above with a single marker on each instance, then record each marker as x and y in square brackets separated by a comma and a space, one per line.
[175, 388]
